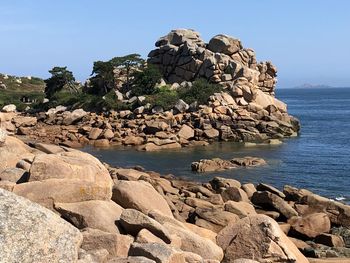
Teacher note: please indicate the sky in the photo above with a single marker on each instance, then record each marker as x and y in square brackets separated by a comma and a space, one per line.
[308, 40]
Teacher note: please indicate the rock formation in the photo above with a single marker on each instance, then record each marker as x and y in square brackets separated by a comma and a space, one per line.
[183, 56]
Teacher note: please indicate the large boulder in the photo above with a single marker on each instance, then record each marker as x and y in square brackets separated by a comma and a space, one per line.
[96, 214]
[260, 238]
[310, 226]
[133, 221]
[66, 177]
[12, 151]
[269, 199]
[190, 241]
[224, 44]
[141, 196]
[32, 233]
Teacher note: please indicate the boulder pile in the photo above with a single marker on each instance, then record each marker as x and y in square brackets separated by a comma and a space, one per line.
[62, 205]
[183, 56]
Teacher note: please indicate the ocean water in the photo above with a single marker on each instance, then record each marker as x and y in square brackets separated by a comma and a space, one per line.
[318, 160]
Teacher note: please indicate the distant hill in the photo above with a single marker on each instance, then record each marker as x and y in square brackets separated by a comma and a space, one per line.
[20, 91]
[313, 86]
[23, 84]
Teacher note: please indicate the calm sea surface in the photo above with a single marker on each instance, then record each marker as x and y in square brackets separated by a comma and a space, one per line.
[319, 159]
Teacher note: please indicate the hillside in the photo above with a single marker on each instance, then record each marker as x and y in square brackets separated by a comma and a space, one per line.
[19, 90]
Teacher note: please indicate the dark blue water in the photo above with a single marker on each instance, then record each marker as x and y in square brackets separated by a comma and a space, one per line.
[319, 159]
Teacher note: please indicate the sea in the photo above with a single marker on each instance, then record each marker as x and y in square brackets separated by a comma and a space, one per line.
[317, 160]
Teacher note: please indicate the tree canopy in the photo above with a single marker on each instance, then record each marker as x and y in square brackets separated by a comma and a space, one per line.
[103, 79]
[60, 78]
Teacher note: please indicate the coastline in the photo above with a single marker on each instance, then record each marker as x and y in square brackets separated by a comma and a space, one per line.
[210, 209]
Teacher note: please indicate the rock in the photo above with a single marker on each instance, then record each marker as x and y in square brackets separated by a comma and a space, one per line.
[24, 121]
[12, 151]
[108, 134]
[95, 133]
[329, 260]
[66, 177]
[150, 147]
[271, 189]
[211, 133]
[310, 226]
[146, 236]
[344, 232]
[186, 132]
[141, 196]
[220, 182]
[48, 148]
[258, 237]
[181, 106]
[242, 209]
[73, 117]
[160, 253]
[131, 260]
[14, 175]
[195, 242]
[133, 140]
[248, 161]
[54, 111]
[155, 126]
[31, 233]
[133, 221]
[117, 245]
[216, 217]
[234, 194]
[9, 108]
[330, 240]
[249, 189]
[101, 143]
[270, 199]
[224, 44]
[212, 165]
[96, 214]
[131, 174]
[93, 256]
[3, 135]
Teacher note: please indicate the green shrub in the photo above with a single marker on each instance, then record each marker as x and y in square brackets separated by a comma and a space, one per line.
[15, 96]
[88, 102]
[163, 97]
[145, 81]
[200, 91]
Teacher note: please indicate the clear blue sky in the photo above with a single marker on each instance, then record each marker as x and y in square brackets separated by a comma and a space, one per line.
[308, 40]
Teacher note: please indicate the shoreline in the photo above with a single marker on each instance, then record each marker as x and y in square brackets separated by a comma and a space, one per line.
[205, 207]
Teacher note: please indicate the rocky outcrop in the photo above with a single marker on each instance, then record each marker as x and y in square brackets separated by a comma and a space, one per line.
[217, 164]
[32, 233]
[183, 56]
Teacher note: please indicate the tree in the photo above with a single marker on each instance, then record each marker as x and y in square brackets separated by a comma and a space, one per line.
[103, 79]
[144, 81]
[61, 78]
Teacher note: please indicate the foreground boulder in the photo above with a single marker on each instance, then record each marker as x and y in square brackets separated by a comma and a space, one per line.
[141, 196]
[66, 177]
[260, 238]
[31, 233]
